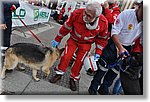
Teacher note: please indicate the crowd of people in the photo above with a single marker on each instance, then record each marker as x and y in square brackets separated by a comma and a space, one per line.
[117, 36]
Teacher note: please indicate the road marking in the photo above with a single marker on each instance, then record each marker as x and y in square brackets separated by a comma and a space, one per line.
[56, 23]
[36, 31]
[27, 34]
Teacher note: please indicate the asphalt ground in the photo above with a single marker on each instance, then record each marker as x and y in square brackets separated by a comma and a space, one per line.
[21, 82]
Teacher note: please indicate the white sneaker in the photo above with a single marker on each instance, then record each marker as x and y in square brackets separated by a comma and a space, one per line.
[2, 54]
[3, 48]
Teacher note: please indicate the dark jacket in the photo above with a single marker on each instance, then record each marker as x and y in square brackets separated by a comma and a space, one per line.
[7, 13]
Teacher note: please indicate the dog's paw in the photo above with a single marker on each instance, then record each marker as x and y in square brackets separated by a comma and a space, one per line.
[22, 68]
[2, 77]
[36, 79]
[45, 76]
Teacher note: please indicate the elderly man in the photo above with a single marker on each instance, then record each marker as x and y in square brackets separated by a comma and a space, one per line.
[86, 26]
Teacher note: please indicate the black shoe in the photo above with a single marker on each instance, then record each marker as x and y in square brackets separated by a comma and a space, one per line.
[92, 92]
[103, 90]
[9, 71]
[90, 72]
[55, 78]
[72, 84]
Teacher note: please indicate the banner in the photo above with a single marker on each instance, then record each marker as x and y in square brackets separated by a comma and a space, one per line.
[30, 14]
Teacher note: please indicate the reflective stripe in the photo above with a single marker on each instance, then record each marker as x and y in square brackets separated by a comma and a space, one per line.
[60, 72]
[91, 63]
[66, 49]
[115, 71]
[99, 47]
[85, 38]
[88, 38]
[83, 56]
[74, 38]
[75, 78]
[66, 26]
[104, 37]
[60, 35]
[115, 6]
[78, 35]
[103, 68]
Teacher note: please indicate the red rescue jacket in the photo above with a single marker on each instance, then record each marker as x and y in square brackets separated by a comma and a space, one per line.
[111, 13]
[137, 46]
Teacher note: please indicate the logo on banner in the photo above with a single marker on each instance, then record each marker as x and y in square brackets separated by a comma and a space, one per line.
[36, 14]
[40, 15]
[21, 13]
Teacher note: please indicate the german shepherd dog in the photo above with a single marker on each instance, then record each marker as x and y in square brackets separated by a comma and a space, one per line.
[34, 56]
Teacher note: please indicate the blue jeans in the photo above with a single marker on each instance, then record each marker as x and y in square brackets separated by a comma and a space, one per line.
[117, 89]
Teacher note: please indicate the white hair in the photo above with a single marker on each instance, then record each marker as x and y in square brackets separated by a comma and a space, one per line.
[96, 7]
[111, 1]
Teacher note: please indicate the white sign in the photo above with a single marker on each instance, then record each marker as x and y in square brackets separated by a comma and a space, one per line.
[30, 14]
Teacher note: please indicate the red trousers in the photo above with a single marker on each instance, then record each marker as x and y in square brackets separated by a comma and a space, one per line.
[70, 48]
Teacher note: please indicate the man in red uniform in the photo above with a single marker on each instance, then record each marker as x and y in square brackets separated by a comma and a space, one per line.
[110, 11]
[62, 11]
[86, 26]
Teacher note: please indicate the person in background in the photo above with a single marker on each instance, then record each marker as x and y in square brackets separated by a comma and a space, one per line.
[109, 55]
[136, 5]
[62, 11]
[86, 26]
[7, 8]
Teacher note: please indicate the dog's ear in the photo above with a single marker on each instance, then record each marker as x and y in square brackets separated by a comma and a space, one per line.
[61, 50]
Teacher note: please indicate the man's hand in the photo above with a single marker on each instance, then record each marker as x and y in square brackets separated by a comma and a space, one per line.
[96, 57]
[3, 26]
[106, 5]
[13, 8]
[123, 52]
[54, 43]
